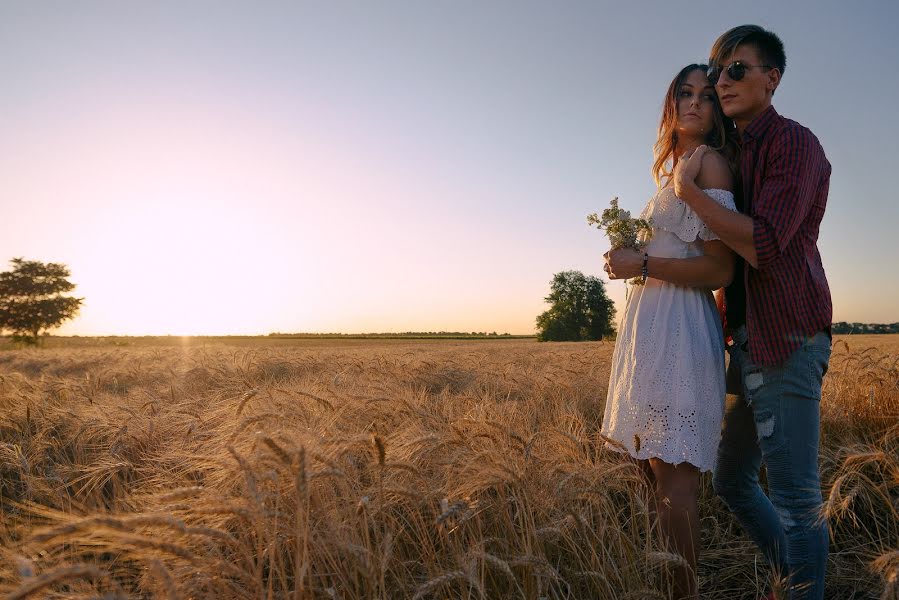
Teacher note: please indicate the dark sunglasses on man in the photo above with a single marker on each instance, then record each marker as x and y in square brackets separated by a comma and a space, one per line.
[735, 71]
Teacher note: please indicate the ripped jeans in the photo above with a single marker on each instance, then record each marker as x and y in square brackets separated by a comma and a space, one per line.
[774, 417]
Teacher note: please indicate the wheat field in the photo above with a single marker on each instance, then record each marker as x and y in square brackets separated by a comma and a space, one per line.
[381, 469]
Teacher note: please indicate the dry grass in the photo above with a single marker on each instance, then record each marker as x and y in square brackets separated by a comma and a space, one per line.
[383, 469]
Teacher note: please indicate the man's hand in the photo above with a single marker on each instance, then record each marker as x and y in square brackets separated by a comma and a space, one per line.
[623, 263]
[686, 171]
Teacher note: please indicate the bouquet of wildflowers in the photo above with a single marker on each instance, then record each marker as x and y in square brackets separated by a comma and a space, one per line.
[622, 230]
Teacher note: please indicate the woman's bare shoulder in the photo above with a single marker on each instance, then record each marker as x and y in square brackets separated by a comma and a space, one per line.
[715, 172]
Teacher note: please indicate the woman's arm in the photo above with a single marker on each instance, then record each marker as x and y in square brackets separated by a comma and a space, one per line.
[712, 270]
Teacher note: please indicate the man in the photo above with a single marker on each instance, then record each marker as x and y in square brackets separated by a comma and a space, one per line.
[779, 311]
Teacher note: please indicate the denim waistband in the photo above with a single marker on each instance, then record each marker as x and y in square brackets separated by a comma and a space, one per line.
[740, 336]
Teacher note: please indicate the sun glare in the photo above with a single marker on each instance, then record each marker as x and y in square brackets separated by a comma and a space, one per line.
[180, 268]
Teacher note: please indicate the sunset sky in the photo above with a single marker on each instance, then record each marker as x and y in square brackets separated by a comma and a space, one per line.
[248, 167]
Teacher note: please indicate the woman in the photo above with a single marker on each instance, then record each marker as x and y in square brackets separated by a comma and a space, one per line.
[666, 391]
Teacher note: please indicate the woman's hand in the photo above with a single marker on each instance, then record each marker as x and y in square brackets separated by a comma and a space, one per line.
[687, 169]
[623, 263]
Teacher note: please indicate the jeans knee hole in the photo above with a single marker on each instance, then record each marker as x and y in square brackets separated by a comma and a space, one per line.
[765, 427]
[754, 381]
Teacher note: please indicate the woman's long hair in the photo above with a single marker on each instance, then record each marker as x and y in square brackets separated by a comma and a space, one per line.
[722, 137]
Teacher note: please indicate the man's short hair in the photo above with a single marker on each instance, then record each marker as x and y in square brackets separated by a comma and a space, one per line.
[769, 47]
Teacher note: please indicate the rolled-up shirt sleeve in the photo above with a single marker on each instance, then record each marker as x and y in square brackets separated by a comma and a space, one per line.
[792, 174]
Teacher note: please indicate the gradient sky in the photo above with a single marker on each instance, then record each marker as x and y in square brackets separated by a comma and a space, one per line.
[248, 167]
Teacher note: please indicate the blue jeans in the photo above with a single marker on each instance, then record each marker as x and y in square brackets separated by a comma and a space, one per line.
[774, 417]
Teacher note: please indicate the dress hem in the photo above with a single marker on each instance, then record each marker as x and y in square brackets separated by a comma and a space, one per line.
[670, 459]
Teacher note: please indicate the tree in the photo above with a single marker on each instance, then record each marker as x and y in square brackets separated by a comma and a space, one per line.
[32, 300]
[580, 309]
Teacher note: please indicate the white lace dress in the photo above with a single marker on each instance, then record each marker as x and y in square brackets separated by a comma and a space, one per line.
[666, 391]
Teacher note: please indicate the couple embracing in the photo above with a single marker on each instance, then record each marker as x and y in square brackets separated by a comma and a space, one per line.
[742, 192]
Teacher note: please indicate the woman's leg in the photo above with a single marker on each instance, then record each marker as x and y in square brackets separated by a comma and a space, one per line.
[677, 490]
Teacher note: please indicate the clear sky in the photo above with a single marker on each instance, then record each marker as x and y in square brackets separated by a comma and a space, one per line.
[247, 167]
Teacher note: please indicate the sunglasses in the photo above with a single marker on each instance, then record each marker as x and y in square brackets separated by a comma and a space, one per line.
[735, 71]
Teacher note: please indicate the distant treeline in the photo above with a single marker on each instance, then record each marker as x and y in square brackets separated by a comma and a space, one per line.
[843, 327]
[404, 334]
[838, 328]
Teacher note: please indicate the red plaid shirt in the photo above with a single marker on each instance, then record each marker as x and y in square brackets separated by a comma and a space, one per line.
[785, 181]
